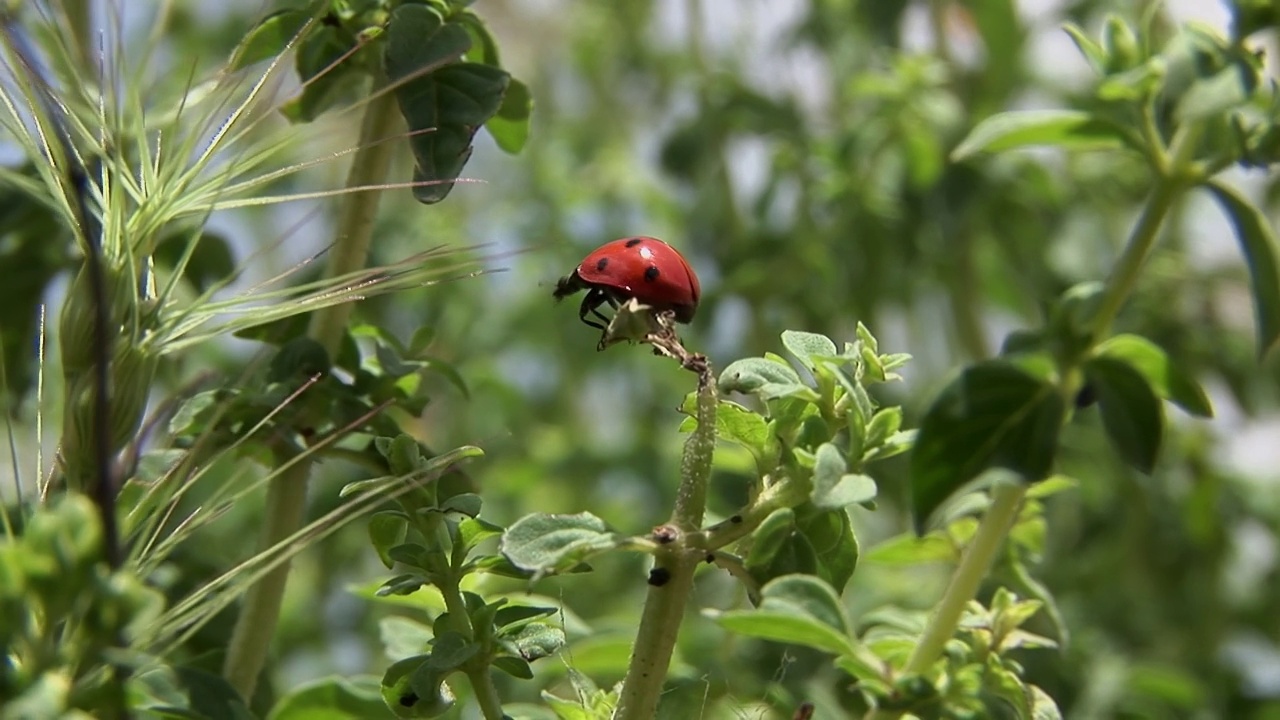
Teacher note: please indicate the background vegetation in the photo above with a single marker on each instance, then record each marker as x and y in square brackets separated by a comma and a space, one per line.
[798, 154]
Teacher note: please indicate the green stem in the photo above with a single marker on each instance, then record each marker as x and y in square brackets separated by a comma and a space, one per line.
[486, 692]
[671, 581]
[1169, 185]
[287, 494]
[478, 673]
[972, 570]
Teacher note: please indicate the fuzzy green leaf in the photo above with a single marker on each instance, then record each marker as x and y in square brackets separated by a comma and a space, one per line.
[1069, 129]
[1165, 377]
[510, 126]
[796, 609]
[444, 102]
[764, 378]
[1258, 243]
[994, 415]
[386, 530]
[331, 698]
[553, 543]
[268, 38]
[808, 346]
[1131, 412]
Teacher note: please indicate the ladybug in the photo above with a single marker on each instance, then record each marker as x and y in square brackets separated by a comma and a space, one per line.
[643, 268]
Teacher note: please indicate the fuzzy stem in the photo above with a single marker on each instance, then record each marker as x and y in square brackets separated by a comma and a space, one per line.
[287, 494]
[972, 570]
[1168, 187]
[678, 561]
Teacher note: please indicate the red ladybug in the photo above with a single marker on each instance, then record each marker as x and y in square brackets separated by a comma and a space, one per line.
[643, 268]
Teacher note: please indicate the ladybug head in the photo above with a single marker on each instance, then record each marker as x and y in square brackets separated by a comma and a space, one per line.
[567, 285]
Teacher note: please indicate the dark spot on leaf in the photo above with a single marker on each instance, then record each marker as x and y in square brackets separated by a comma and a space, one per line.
[601, 264]
[659, 576]
[408, 700]
[711, 557]
[634, 242]
[651, 273]
[735, 519]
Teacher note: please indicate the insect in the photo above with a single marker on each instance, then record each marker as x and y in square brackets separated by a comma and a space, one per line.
[643, 268]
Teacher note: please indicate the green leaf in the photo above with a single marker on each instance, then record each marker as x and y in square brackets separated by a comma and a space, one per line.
[1258, 243]
[554, 543]
[537, 640]
[473, 531]
[450, 650]
[907, 549]
[211, 260]
[764, 378]
[795, 609]
[386, 530]
[419, 41]
[510, 126]
[513, 617]
[833, 488]
[468, 504]
[1219, 93]
[768, 538]
[444, 102]
[830, 534]
[1091, 50]
[179, 691]
[1166, 378]
[734, 423]
[994, 415]
[1043, 707]
[1131, 412]
[268, 38]
[317, 53]
[413, 689]
[808, 346]
[331, 698]
[513, 666]
[403, 637]
[1070, 129]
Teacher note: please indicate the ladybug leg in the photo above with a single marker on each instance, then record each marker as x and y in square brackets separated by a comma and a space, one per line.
[590, 304]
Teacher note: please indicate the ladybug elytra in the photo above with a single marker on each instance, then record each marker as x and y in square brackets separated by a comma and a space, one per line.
[644, 268]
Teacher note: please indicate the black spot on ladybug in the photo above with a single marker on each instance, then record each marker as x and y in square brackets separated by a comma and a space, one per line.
[601, 264]
[651, 273]
[409, 700]
[659, 576]
[633, 242]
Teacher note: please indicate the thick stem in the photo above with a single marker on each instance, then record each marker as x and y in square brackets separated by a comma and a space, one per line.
[671, 581]
[287, 494]
[1142, 239]
[486, 693]
[656, 640]
[973, 568]
[974, 565]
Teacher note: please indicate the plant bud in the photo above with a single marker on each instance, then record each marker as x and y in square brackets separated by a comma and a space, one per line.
[132, 371]
[1120, 44]
[76, 325]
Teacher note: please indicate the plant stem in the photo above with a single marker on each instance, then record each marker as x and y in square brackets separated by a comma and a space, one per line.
[478, 673]
[287, 494]
[1169, 186]
[973, 568]
[671, 581]
[486, 693]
